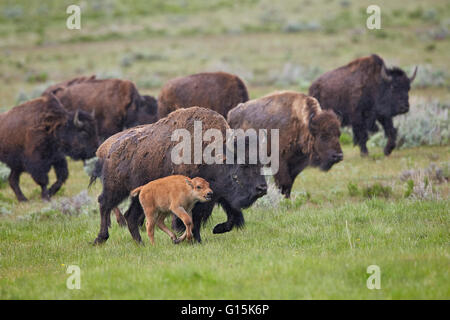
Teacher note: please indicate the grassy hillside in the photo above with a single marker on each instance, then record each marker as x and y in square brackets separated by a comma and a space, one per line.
[387, 211]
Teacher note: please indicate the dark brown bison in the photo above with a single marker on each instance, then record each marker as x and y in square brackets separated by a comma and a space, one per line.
[218, 91]
[37, 135]
[308, 135]
[136, 156]
[363, 92]
[116, 104]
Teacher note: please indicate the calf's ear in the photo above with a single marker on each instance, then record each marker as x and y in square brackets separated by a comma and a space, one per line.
[189, 182]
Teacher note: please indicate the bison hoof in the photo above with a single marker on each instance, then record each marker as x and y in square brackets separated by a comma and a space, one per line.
[388, 151]
[364, 154]
[99, 241]
[221, 228]
[176, 241]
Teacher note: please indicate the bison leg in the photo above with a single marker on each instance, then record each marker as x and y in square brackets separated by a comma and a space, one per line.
[360, 137]
[105, 219]
[41, 178]
[13, 179]
[62, 173]
[391, 134]
[234, 218]
[283, 180]
[119, 217]
[132, 216]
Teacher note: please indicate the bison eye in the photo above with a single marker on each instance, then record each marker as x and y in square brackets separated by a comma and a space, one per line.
[198, 187]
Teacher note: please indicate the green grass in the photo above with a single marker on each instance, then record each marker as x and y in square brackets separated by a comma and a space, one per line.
[298, 249]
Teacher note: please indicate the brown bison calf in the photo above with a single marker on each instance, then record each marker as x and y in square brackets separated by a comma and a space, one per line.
[308, 135]
[218, 91]
[175, 194]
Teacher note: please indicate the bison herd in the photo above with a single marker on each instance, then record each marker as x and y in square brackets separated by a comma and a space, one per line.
[73, 117]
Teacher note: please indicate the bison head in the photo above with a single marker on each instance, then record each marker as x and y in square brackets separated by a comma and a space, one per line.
[238, 184]
[326, 149]
[145, 112]
[79, 136]
[393, 95]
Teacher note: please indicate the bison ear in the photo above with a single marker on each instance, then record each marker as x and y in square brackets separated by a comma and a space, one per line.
[189, 182]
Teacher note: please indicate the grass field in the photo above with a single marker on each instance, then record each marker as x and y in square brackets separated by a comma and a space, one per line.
[318, 245]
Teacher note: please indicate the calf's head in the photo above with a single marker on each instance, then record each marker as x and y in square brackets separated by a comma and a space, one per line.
[79, 135]
[326, 149]
[393, 92]
[200, 189]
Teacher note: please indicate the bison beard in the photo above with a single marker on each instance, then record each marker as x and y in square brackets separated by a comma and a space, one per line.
[218, 91]
[136, 156]
[363, 92]
[308, 135]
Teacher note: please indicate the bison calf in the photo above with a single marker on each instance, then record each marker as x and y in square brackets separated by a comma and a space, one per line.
[173, 194]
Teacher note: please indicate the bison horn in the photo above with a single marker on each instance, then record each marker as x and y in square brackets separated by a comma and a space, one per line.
[76, 120]
[413, 76]
[384, 74]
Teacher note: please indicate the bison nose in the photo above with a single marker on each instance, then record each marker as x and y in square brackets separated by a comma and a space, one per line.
[261, 189]
[337, 157]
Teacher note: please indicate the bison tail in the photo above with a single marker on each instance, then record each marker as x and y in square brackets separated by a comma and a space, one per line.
[135, 192]
[97, 172]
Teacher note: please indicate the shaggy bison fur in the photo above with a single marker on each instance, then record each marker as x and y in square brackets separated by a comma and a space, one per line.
[218, 91]
[363, 92]
[308, 135]
[37, 135]
[136, 156]
[116, 104]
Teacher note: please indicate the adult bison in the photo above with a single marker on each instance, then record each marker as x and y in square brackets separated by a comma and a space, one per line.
[37, 135]
[116, 104]
[136, 156]
[218, 91]
[362, 92]
[308, 135]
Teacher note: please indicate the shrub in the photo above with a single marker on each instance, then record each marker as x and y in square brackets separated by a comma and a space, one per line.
[426, 123]
[346, 138]
[353, 190]
[377, 190]
[4, 174]
[73, 206]
[428, 76]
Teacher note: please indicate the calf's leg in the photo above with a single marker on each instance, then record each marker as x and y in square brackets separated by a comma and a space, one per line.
[187, 220]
